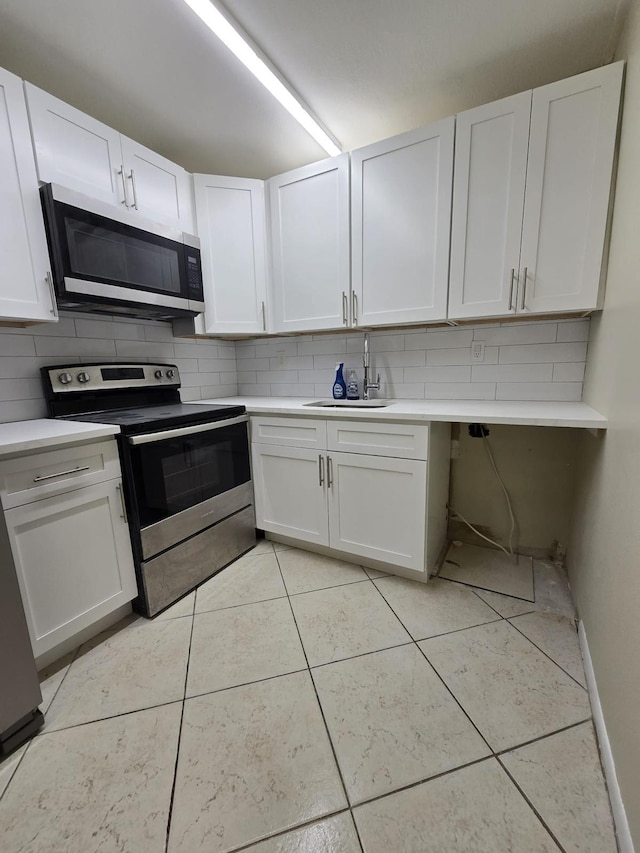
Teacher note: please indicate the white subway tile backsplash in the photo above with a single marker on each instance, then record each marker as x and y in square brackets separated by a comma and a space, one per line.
[517, 333]
[324, 346]
[569, 371]
[13, 345]
[97, 347]
[536, 353]
[512, 373]
[209, 367]
[536, 360]
[566, 391]
[573, 330]
[438, 374]
[461, 391]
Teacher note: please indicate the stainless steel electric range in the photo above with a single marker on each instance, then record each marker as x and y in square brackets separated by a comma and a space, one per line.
[185, 468]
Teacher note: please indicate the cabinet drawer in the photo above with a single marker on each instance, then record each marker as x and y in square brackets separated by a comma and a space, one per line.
[42, 475]
[290, 432]
[402, 441]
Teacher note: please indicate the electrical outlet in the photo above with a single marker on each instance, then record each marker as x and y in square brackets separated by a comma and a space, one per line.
[477, 351]
[282, 358]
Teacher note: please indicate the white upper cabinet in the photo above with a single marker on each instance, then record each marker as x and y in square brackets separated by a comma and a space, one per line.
[231, 226]
[25, 284]
[571, 153]
[488, 199]
[531, 199]
[157, 188]
[83, 154]
[401, 220]
[310, 246]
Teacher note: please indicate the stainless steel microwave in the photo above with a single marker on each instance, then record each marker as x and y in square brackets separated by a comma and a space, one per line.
[102, 261]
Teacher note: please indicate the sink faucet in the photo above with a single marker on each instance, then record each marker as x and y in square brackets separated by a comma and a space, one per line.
[366, 385]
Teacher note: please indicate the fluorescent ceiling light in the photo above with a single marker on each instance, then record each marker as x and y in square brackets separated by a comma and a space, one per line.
[240, 47]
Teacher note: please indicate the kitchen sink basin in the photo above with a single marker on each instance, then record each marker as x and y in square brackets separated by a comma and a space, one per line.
[350, 404]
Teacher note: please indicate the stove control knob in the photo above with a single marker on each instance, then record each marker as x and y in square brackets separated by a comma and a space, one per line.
[158, 374]
[65, 378]
[83, 377]
[170, 373]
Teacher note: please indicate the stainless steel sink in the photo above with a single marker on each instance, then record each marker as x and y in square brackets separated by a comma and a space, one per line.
[350, 404]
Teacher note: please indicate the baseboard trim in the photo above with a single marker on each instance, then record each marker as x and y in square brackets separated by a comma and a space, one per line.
[623, 833]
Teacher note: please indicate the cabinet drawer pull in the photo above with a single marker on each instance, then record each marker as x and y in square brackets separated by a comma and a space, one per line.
[345, 308]
[513, 276]
[264, 319]
[125, 200]
[124, 508]
[329, 472]
[133, 187]
[61, 473]
[320, 470]
[354, 307]
[524, 289]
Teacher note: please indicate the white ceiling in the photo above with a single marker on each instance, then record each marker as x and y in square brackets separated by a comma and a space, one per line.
[367, 68]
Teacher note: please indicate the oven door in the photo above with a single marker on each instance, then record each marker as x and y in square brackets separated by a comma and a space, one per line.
[188, 478]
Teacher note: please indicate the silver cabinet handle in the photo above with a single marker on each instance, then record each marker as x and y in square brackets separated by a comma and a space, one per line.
[264, 319]
[54, 305]
[125, 200]
[124, 509]
[61, 473]
[178, 432]
[345, 308]
[133, 187]
[524, 289]
[320, 469]
[329, 471]
[354, 308]
[513, 278]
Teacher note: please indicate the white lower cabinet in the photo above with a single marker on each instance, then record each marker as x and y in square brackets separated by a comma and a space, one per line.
[377, 508]
[374, 505]
[72, 557]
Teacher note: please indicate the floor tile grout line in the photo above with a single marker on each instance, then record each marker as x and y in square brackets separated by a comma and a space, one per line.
[361, 655]
[501, 615]
[246, 683]
[542, 651]
[321, 709]
[500, 752]
[282, 832]
[175, 766]
[495, 591]
[530, 804]
[331, 586]
[240, 604]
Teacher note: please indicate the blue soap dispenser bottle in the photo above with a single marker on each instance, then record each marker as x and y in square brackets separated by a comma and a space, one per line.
[339, 385]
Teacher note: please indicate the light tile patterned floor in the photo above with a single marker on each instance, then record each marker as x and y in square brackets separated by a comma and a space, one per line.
[296, 703]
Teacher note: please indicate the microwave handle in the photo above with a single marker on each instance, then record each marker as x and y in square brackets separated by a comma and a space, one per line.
[165, 434]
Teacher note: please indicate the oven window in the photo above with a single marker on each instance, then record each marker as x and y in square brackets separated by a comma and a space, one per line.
[177, 473]
[104, 253]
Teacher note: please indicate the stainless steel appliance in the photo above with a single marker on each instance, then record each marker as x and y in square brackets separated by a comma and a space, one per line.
[102, 261]
[186, 471]
[20, 693]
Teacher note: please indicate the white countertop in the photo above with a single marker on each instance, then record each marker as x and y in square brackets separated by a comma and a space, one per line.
[25, 436]
[453, 411]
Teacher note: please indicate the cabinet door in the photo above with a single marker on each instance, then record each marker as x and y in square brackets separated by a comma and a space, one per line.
[401, 224]
[488, 199]
[377, 508]
[74, 149]
[157, 188]
[25, 293]
[73, 560]
[310, 246]
[290, 492]
[571, 152]
[231, 227]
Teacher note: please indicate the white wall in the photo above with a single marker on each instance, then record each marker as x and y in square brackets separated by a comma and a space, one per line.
[207, 367]
[605, 548]
[536, 360]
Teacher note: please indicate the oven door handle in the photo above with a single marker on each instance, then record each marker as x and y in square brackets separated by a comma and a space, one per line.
[188, 430]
